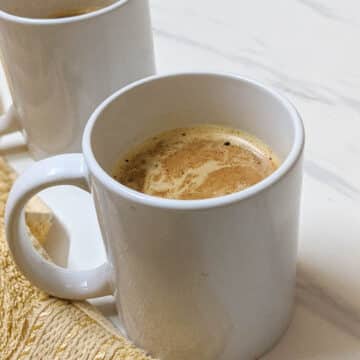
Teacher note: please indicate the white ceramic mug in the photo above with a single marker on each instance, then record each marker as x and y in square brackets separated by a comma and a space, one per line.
[59, 69]
[193, 279]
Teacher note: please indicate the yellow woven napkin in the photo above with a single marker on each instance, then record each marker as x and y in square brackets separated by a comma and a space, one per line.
[34, 325]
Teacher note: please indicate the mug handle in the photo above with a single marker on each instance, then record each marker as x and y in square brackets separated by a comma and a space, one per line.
[9, 121]
[68, 169]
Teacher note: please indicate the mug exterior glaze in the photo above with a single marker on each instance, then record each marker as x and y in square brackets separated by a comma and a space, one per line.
[58, 70]
[193, 279]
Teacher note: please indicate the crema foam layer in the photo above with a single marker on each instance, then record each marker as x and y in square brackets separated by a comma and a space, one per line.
[196, 163]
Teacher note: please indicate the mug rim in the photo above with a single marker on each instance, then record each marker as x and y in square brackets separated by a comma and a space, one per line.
[153, 201]
[71, 19]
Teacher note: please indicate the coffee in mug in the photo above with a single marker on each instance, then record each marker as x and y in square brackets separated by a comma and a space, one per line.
[72, 13]
[196, 163]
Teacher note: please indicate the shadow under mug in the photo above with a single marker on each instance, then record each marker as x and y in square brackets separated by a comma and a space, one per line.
[59, 69]
[193, 279]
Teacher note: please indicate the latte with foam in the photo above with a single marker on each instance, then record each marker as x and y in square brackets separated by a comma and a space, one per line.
[196, 163]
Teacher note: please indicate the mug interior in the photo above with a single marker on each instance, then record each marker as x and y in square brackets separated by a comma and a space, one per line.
[44, 9]
[159, 104]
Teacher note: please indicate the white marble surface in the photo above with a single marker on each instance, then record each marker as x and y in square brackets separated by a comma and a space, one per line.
[309, 50]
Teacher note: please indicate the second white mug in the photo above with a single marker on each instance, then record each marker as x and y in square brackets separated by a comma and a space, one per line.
[58, 69]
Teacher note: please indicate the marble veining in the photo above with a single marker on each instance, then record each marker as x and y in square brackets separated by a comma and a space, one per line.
[328, 304]
[330, 178]
[323, 9]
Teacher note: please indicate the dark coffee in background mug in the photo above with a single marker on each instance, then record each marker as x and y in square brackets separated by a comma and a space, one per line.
[73, 12]
[196, 163]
